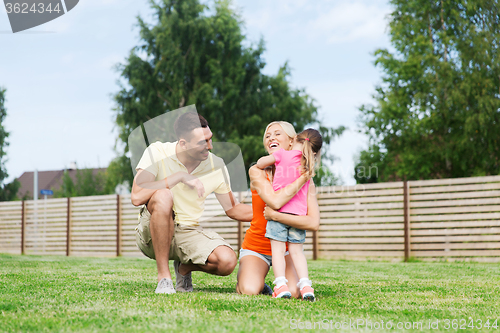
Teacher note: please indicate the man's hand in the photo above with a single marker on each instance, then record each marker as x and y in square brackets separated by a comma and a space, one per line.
[269, 213]
[194, 183]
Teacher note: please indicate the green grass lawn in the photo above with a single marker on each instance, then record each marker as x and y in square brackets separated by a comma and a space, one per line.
[43, 293]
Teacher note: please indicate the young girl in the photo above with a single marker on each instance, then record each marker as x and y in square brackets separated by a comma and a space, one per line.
[290, 164]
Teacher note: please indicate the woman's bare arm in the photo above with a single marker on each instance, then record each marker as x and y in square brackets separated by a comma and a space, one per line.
[306, 222]
[264, 188]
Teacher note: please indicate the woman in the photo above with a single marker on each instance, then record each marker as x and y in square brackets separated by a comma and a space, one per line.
[255, 255]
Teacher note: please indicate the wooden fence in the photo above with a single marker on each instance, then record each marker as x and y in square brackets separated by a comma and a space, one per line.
[453, 219]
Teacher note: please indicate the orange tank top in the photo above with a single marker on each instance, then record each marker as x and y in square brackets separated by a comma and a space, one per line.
[255, 238]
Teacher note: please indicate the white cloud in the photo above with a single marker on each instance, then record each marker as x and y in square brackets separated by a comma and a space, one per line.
[351, 22]
[329, 21]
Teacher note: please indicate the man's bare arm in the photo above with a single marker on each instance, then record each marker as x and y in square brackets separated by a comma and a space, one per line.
[306, 222]
[145, 186]
[278, 199]
[233, 208]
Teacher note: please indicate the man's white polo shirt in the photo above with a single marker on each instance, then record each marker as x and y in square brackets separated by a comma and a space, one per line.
[161, 160]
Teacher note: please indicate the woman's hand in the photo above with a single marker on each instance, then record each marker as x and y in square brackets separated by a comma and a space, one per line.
[194, 183]
[269, 213]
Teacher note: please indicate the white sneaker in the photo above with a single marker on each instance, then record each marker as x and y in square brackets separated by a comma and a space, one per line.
[165, 286]
[183, 283]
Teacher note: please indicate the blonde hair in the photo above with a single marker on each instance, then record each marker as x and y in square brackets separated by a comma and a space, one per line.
[311, 150]
[285, 125]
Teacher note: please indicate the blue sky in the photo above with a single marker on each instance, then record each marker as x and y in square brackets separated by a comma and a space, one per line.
[60, 79]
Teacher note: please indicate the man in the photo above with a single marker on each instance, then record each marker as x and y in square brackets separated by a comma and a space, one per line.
[172, 182]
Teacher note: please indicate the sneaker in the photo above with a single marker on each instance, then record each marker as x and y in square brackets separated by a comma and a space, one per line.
[282, 292]
[307, 294]
[165, 286]
[183, 283]
[267, 290]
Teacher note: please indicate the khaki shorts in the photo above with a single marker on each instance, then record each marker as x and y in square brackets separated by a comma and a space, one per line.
[189, 244]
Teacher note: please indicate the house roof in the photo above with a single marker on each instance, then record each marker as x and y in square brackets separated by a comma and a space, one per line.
[47, 180]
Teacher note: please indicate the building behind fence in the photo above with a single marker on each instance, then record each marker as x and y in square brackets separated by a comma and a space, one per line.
[454, 219]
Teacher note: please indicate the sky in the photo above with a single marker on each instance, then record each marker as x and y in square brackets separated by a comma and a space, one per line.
[60, 76]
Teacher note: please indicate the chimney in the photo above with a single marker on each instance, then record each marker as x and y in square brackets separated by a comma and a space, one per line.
[72, 166]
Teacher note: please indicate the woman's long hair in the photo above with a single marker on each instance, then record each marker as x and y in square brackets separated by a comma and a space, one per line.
[311, 150]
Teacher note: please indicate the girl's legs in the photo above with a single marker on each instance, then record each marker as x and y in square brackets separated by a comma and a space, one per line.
[278, 256]
[300, 263]
[299, 259]
[251, 274]
[279, 268]
[291, 276]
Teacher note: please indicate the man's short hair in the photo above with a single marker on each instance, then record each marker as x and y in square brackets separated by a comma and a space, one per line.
[187, 122]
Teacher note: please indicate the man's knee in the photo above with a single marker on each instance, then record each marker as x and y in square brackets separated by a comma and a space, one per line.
[161, 201]
[226, 262]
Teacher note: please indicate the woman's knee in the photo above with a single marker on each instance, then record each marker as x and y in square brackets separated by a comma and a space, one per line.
[249, 288]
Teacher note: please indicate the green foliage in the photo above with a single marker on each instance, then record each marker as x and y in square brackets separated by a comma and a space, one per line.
[8, 191]
[87, 184]
[198, 55]
[118, 172]
[437, 111]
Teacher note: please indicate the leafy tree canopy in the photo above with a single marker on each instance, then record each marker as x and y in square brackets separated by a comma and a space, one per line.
[198, 55]
[437, 112]
[7, 191]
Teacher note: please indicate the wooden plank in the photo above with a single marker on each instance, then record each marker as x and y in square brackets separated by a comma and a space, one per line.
[455, 239]
[460, 246]
[453, 181]
[331, 227]
[361, 194]
[455, 224]
[456, 217]
[364, 240]
[455, 195]
[457, 253]
[457, 209]
[108, 219]
[366, 200]
[454, 203]
[78, 200]
[348, 254]
[361, 207]
[367, 233]
[362, 213]
[455, 188]
[110, 212]
[362, 247]
[360, 219]
[343, 188]
[451, 232]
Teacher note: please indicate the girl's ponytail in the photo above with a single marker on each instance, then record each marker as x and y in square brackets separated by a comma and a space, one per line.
[311, 145]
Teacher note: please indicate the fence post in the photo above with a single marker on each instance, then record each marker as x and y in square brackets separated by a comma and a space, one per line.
[23, 227]
[240, 225]
[68, 227]
[406, 205]
[315, 245]
[118, 226]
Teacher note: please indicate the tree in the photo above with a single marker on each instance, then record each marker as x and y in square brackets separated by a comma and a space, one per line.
[87, 184]
[437, 111]
[7, 191]
[196, 56]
